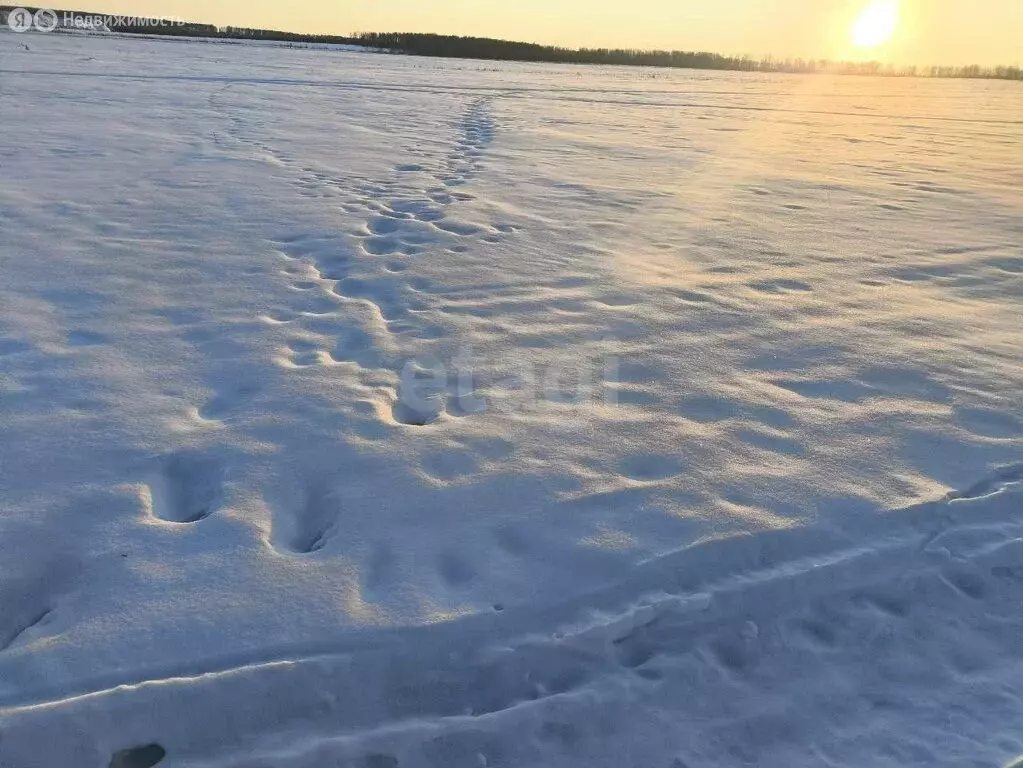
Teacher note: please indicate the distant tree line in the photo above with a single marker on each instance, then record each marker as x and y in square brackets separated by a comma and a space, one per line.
[451, 46]
[182, 28]
[245, 33]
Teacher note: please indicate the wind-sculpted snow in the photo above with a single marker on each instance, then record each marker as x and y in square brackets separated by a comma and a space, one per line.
[383, 412]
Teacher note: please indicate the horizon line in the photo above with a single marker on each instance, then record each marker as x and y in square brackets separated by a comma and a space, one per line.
[760, 58]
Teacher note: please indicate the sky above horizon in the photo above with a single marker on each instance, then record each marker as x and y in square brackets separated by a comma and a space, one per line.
[954, 32]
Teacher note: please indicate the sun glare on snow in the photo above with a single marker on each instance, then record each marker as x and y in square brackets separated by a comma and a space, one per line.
[876, 24]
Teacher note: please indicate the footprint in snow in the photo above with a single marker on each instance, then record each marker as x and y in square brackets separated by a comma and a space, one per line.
[187, 487]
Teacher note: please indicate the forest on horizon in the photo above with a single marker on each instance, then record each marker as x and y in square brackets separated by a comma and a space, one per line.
[492, 49]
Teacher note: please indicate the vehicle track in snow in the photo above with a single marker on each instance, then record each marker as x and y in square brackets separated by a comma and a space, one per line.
[736, 608]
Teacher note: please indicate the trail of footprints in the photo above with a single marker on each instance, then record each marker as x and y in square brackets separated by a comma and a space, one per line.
[351, 286]
[354, 286]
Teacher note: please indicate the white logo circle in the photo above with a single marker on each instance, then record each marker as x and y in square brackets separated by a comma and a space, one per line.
[19, 20]
[46, 20]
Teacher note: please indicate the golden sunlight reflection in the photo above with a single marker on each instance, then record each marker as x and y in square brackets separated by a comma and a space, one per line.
[876, 24]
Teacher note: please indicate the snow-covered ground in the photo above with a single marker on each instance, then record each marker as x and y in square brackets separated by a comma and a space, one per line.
[381, 412]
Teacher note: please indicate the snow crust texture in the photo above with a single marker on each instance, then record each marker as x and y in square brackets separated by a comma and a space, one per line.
[380, 412]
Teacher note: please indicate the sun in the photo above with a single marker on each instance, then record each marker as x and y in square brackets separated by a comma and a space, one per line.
[876, 24]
